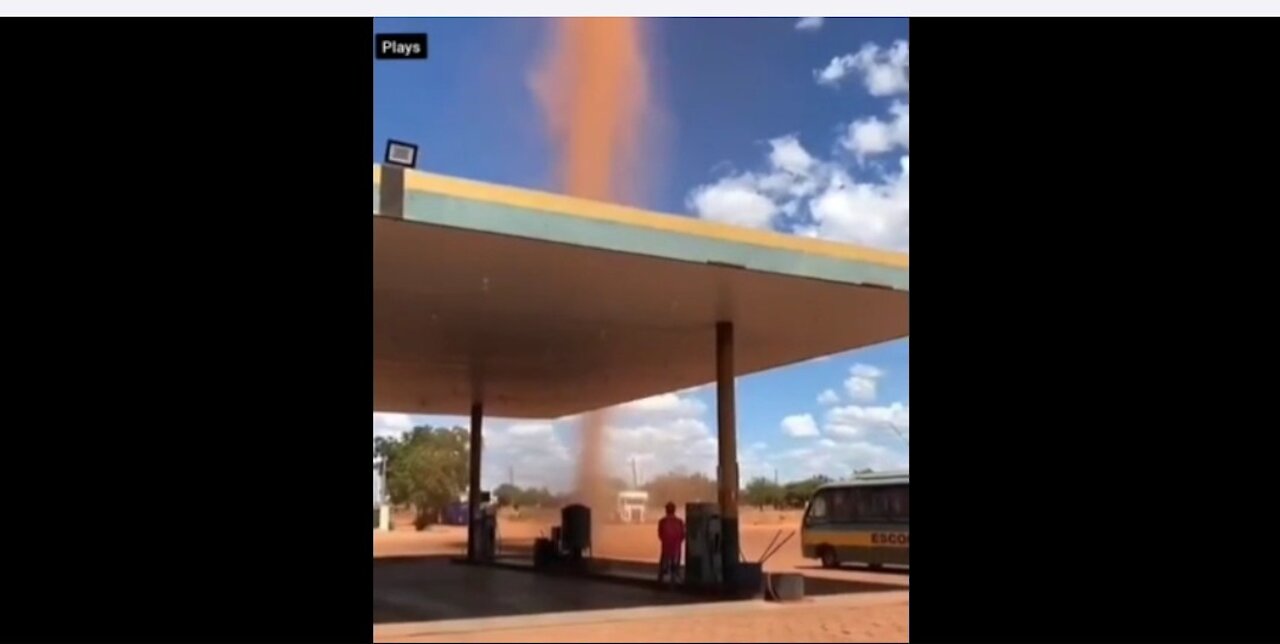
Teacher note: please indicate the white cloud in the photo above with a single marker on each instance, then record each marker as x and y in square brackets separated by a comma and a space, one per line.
[798, 452]
[660, 406]
[828, 397]
[875, 214]
[868, 214]
[799, 426]
[530, 429]
[866, 371]
[671, 433]
[734, 200]
[860, 389]
[884, 71]
[535, 452]
[862, 384]
[662, 433]
[809, 24]
[838, 68]
[391, 424]
[648, 437]
[754, 200]
[868, 136]
[681, 444]
[872, 136]
[752, 463]
[769, 185]
[855, 421]
[864, 203]
[839, 460]
[787, 154]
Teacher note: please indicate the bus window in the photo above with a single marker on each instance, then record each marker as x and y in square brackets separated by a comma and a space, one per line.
[844, 507]
[881, 504]
[870, 506]
[897, 500]
[818, 513]
[860, 504]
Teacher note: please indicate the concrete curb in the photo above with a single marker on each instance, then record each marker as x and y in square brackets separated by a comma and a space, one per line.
[406, 630]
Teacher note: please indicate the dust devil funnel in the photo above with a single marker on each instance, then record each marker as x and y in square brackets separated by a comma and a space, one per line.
[593, 87]
[592, 485]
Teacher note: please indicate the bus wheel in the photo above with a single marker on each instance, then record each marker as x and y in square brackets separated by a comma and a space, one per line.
[829, 558]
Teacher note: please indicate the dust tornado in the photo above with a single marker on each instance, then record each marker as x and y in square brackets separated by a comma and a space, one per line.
[593, 86]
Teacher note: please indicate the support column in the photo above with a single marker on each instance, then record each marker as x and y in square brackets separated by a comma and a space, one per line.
[473, 497]
[391, 192]
[727, 429]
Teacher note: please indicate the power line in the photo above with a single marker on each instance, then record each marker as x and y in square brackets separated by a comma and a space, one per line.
[893, 426]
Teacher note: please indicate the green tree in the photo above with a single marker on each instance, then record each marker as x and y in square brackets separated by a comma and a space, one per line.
[536, 497]
[427, 468]
[797, 493]
[385, 445]
[508, 494]
[762, 492]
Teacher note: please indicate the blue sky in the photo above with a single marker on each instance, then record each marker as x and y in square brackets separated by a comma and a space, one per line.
[799, 127]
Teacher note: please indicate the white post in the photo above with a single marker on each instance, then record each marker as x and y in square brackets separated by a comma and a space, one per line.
[384, 507]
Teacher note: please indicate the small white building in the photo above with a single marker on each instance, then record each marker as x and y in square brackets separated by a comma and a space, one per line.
[632, 505]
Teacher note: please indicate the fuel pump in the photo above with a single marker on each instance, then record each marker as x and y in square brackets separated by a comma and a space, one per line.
[703, 562]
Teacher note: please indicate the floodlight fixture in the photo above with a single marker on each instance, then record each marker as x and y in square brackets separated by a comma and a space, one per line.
[402, 154]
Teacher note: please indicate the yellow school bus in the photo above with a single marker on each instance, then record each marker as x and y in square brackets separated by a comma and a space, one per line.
[863, 521]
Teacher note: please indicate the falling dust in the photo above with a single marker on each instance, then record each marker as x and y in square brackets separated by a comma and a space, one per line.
[593, 87]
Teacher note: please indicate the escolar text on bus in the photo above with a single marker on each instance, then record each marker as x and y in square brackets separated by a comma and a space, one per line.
[890, 538]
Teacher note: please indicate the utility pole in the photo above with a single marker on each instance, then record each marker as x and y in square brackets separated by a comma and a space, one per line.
[511, 475]
[635, 477]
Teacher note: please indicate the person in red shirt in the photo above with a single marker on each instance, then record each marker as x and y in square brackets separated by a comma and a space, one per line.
[671, 534]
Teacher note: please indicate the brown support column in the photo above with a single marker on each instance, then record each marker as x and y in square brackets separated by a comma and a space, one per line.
[391, 192]
[473, 497]
[727, 429]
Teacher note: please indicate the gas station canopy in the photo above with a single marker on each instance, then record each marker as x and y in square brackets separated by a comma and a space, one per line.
[542, 305]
